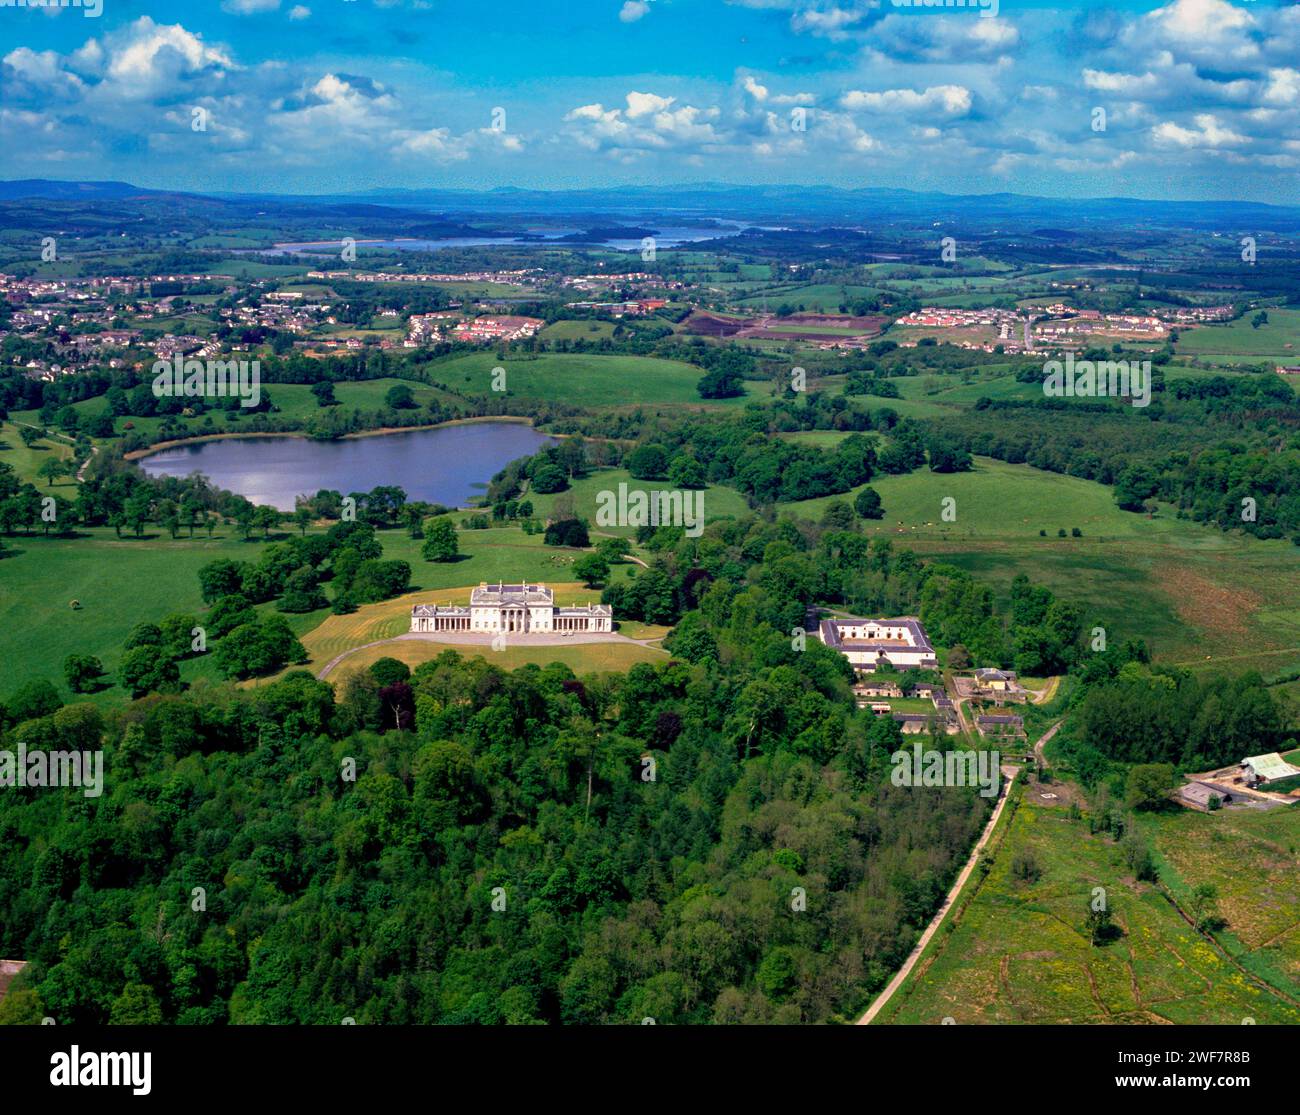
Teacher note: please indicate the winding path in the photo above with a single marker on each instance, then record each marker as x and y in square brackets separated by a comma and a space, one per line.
[1008, 777]
[1042, 740]
[1009, 774]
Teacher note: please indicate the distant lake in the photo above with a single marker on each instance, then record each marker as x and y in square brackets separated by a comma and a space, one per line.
[664, 238]
[445, 465]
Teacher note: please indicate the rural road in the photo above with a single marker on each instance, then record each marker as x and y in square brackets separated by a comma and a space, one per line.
[474, 639]
[1047, 692]
[81, 472]
[1009, 774]
[1008, 777]
[1038, 747]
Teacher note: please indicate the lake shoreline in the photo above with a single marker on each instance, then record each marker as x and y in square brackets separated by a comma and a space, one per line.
[158, 447]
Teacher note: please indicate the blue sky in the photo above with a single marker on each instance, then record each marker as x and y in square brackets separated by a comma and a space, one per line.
[1199, 96]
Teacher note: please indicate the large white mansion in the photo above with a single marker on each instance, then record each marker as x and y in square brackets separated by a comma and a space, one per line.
[512, 608]
[865, 642]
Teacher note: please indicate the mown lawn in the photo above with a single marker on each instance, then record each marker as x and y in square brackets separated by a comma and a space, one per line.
[581, 659]
[336, 635]
[120, 583]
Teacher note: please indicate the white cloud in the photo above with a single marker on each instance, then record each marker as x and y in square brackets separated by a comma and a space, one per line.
[1209, 133]
[249, 7]
[642, 104]
[1202, 20]
[42, 71]
[952, 100]
[833, 23]
[762, 94]
[960, 41]
[145, 53]
[632, 10]
[1283, 87]
[1129, 85]
[1210, 31]
[649, 122]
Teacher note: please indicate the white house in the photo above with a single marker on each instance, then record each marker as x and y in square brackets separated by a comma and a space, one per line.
[512, 608]
[902, 642]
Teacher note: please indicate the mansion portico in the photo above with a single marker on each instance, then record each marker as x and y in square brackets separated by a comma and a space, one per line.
[514, 609]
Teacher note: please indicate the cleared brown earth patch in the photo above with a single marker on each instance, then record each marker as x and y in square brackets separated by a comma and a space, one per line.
[1210, 606]
[711, 325]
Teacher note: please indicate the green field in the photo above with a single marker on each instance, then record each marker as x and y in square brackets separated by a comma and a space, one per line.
[582, 380]
[1199, 596]
[818, 439]
[1001, 387]
[495, 554]
[820, 297]
[1018, 952]
[581, 499]
[994, 499]
[39, 577]
[907, 408]
[1281, 334]
[578, 331]
[1251, 859]
[26, 461]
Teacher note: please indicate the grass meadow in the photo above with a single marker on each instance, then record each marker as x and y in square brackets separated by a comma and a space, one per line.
[1201, 597]
[581, 499]
[1016, 949]
[120, 583]
[583, 380]
[26, 462]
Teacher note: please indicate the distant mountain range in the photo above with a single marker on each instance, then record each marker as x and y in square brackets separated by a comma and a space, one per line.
[827, 204]
[52, 190]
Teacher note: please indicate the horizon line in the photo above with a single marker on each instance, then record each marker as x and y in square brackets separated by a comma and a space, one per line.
[694, 184]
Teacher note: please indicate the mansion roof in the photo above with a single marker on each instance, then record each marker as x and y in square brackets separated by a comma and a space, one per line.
[504, 595]
[486, 595]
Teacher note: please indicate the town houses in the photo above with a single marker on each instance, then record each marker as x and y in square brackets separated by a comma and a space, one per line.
[423, 329]
[635, 307]
[935, 317]
[505, 278]
[489, 328]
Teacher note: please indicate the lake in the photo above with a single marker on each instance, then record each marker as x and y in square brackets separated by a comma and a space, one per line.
[670, 237]
[447, 465]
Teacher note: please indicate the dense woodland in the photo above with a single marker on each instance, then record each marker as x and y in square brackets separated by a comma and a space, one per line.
[710, 839]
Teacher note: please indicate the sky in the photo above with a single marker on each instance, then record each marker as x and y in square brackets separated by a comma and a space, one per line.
[1191, 99]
